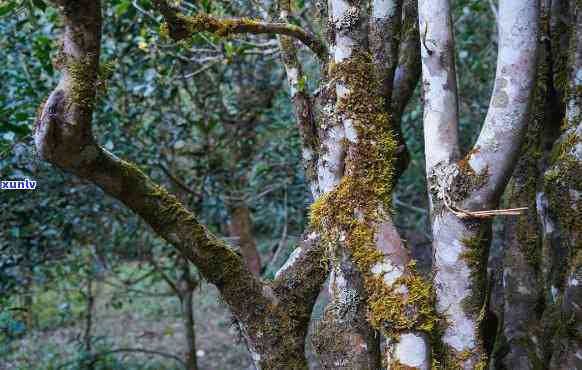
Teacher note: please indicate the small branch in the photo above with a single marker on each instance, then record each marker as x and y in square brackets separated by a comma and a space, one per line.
[181, 27]
[303, 102]
[97, 356]
[410, 207]
[408, 70]
[384, 38]
[164, 276]
[178, 182]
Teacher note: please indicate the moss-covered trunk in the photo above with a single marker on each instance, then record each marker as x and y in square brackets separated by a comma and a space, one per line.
[521, 340]
[563, 186]
[375, 290]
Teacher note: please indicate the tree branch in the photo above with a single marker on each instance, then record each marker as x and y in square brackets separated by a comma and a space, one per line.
[96, 357]
[300, 279]
[63, 137]
[302, 100]
[497, 147]
[441, 112]
[181, 26]
[384, 40]
[406, 77]
[408, 70]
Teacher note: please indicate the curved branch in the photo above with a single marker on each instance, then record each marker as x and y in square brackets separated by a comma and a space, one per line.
[300, 279]
[406, 77]
[384, 41]
[498, 144]
[181, 27]
[63, 137]
[407, 72]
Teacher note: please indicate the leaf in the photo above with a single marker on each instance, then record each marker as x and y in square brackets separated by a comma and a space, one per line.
[21, 116]
[7, 8]
[122, 8]
[39, 4]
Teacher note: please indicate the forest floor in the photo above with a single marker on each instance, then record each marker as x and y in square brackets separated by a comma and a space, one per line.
[123, 320]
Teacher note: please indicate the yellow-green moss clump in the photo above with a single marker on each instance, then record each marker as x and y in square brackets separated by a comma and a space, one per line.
[83, 78]
[203, 22]
[354, 208]
[394, 311]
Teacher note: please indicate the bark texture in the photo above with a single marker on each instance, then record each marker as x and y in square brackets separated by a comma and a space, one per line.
[563, 186]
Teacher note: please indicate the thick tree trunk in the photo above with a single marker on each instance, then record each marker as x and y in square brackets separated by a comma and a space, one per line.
[563, 186]
[528, 242]
[457, 188]
[372, 273]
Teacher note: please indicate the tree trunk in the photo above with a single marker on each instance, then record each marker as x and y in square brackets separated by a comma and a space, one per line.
[89, 308]
[186, 287]
[241, 227]
[563, 186]
[460, 188]
[527, 263]
[372, 273]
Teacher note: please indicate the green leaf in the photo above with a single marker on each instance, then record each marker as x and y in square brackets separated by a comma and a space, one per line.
[39, 4]
[122, 8]
[7, 8]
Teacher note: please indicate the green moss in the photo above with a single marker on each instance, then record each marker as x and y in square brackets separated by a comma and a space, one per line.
[203, 22]
[408, 304]
[171, 209]
[354, 208]
[475, 254]
[83, 79]
[105, 72]
[563, 181]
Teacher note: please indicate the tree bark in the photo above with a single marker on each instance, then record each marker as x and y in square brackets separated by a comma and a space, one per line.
[563, 187]
[371, 269]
